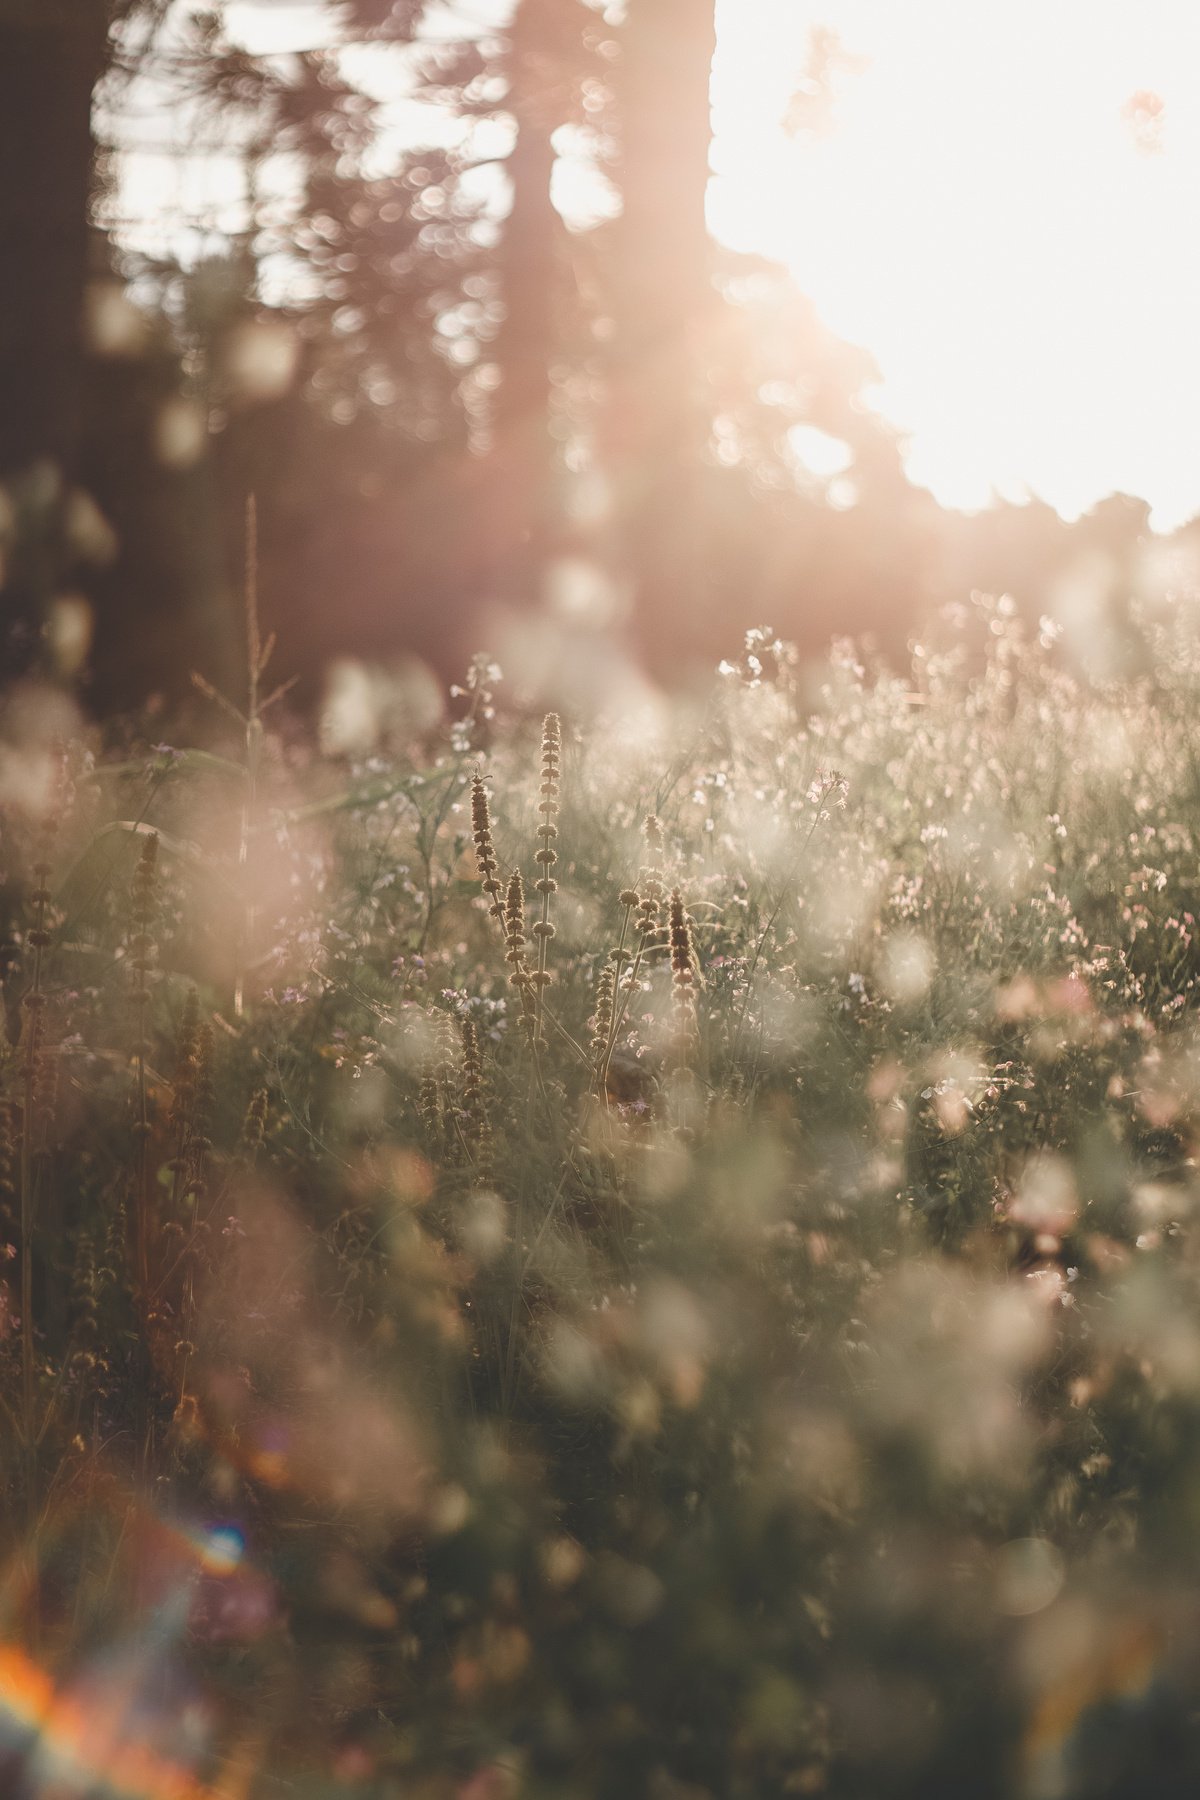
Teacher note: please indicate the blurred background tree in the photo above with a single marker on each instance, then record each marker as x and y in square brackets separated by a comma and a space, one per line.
[465, 334]
[52, 53]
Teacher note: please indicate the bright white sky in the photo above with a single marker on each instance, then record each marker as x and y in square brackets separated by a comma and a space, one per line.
[980, 216]
[983, 220]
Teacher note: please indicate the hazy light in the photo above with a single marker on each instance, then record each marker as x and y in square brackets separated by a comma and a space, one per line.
[1030, 1574]
[992, 215]
[818, 452]
[223, 1549]
[69, 630]
[259, 359]
[180, 431]
[282, 26]
[994, 203]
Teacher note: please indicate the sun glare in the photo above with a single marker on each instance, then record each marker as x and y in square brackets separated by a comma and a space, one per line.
[996, 202]
[998, 207]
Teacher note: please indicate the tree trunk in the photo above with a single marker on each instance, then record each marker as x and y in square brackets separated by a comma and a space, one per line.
[656, 432]
[531, 264]
[51, 56]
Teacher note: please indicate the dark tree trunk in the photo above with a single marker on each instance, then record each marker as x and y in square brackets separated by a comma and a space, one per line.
[662, 303]
[51, 56]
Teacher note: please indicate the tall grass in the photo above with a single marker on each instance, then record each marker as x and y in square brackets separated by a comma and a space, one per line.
[733, 1332]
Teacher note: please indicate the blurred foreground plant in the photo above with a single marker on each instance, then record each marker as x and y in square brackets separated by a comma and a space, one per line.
[762, 1360]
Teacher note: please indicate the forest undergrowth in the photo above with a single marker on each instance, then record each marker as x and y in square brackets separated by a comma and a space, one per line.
[648, 1256]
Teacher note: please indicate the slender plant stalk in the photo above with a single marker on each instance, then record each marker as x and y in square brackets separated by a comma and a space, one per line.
[34, 1004]
[255, 664]
[629, 900]
[144, 884]
[485, 850]
[185, 1089]
[258, 655]
[648, 902]
[144, 887]
[546, 857]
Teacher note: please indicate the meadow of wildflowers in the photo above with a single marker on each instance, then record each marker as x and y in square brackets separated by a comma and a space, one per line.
[598, 1257]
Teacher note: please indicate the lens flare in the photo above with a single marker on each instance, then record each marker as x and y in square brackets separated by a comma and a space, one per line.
[68, 1742]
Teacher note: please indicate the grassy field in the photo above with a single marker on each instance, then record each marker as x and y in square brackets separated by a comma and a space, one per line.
[590, 1259]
